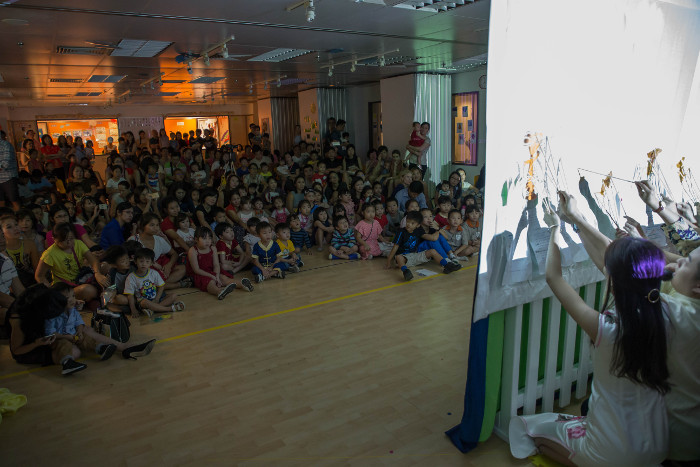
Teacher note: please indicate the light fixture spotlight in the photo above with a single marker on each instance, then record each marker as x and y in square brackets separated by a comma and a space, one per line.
[382, 61]
[224, 51]
[279, 82]
[353, 67]
[310, 11]
[152, 85]
[206, 59]
[189, 67]
[330, 70]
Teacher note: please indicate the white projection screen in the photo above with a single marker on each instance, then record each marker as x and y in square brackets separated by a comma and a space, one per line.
[601, 84]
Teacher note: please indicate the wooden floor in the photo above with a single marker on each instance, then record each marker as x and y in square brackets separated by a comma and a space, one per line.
[342, 364]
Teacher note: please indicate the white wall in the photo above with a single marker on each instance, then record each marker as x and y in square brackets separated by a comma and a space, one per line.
[398, 103]
[469, 82]
[359, 98]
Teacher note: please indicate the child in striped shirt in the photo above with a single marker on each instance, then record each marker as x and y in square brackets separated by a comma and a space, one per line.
[300, 237]
[343, 243]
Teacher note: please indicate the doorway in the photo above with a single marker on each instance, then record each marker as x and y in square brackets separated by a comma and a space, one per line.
[376, 134]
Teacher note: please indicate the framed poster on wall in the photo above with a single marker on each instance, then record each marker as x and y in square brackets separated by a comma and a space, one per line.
[464, 128]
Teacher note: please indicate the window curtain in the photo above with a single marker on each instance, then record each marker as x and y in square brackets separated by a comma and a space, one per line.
[332, 103]
[433, 101]
[285, 116]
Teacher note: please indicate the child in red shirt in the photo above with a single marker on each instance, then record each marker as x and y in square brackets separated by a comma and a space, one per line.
[231, 256]
[444, 207]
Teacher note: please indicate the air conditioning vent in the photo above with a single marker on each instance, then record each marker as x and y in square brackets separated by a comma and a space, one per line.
[64, 50]
[65, 80]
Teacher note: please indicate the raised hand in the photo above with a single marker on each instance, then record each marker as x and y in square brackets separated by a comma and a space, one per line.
[646, 194]
[568, 209]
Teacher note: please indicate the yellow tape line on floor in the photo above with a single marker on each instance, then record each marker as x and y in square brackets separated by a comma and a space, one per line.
[269, 315]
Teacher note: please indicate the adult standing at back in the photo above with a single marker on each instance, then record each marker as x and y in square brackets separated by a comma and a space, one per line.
[9, 173]
[421, 150]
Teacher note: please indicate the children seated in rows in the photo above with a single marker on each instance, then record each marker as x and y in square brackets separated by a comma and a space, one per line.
[265, 256]
[203, 264]
[144, 287]
[48, 329]
[405, 250]
[343, 243]
[231, 256]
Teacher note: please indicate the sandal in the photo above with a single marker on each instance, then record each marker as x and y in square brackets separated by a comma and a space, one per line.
[178, 306]
[185, 283]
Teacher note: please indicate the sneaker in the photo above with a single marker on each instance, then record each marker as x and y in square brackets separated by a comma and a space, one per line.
[293, 268]
[451, 267]
[106, 351]
[139, 350]
[354, 256]
[245, 283]
[227, 290]
[186, 283]
[370, 256]
[407, 275]
[300, 263]
[147, 312]
[70, 366]
[462, 258]
[332, 256]
[259, 278]
[281, 275]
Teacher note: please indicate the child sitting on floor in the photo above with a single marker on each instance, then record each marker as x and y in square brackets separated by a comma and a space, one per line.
[345, 198]
[440, 245]
[457, 237]
[444, 207]
[369, 233]
[251, 237]
[231, 256]
[72, 335]
[343, 243]
[265, 253]
[300, 238]
[287, 254]
[203, 264]
[119, 261]
[322, 229]
[472, 226]
[144, 287]
[184, 231]
[280, 213]
[405, 250]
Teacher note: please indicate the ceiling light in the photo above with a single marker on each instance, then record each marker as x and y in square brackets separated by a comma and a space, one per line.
[310, 11]
[353, 67]
[139, 48]
[278, 55]
[224, 51]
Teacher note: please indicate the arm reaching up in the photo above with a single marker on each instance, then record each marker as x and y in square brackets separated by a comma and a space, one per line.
[594, 242]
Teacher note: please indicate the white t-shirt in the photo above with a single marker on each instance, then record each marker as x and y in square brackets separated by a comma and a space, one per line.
[143, 287]
[112, 184]
[683, 400]
[186, 235]
[160, 246]
[7, 273]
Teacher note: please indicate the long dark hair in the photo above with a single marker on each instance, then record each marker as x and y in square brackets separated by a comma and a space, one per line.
[635, 270]
[33, 306]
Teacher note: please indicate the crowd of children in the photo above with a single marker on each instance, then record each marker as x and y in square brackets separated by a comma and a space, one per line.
[182, 211]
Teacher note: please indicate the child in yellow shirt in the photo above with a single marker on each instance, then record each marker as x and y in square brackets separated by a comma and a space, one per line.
[285, 243]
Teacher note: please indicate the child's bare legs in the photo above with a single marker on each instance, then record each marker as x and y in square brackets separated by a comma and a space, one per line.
[176, 274]
[85, 292]
[161, 307]
[117, 302]
[101, 339]
[338, 253]
[245, 260]
[434, 255]
[320, 239]
[554, 451]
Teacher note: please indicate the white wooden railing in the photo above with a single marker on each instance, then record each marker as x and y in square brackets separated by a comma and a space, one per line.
[513, 396]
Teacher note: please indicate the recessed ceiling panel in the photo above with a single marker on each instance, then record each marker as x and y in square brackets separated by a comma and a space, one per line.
[207, 80]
